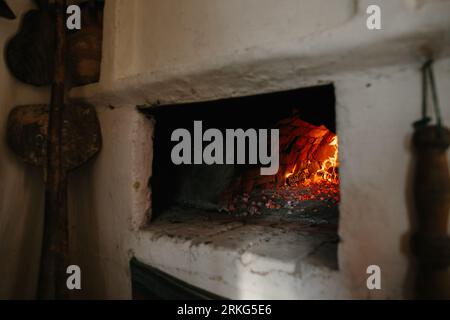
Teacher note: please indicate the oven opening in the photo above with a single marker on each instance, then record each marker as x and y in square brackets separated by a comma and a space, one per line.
[291, 216]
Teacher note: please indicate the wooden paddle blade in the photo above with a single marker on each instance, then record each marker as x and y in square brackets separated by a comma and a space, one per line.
[29, 54]
[81, 137]
[27, 133]
[81, 134]
[5, 11]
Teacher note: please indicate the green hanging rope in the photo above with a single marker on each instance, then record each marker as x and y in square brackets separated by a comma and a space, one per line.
[434, 95]
[429, 79]
[425, 118]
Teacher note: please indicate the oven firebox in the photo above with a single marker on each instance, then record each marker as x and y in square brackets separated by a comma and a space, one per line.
[308, 154]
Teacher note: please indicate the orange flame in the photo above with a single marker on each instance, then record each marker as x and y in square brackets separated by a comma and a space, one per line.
[328, 171]
[290, 174]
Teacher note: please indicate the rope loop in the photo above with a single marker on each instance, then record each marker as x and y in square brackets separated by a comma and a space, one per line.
[429, 80]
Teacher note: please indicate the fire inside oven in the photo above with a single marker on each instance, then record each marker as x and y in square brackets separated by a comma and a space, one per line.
[306, 186]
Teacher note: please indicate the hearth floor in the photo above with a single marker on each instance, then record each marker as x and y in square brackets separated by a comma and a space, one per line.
[307, 236]
[275, 255]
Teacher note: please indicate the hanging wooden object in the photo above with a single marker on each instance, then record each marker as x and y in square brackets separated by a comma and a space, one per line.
[29, 54]
[431, 243]
[59, 137]
[5, 11]
[55, 246]
[27, 136]
[85, 45]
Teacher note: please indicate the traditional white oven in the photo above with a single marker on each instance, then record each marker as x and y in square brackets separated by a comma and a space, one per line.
[317, 72]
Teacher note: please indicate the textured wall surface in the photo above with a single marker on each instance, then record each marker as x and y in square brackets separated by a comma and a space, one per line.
[209, 52]
[377, 80]
[376, 110]
[21, 186]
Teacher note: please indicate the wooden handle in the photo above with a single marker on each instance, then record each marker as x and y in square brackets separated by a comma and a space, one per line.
[54, 259]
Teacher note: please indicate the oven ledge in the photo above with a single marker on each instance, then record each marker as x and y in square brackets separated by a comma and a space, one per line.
[251, 258]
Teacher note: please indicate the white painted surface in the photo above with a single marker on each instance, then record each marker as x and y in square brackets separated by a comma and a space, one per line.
[376, 109]
[140, 67]
[265, 258]
[199, 58]
[102, 199]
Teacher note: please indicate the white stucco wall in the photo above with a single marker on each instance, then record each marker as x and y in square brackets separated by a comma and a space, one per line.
[174, 57]
[140, 37]
[219, 29]
[102, 199]
[21, 186]
[375, 107]
[208, 51]
[375, 110]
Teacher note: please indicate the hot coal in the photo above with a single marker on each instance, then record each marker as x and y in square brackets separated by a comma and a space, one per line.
[294, 200]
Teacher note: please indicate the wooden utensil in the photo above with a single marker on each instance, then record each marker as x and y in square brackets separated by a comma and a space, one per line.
[59, 137]
[5, 11]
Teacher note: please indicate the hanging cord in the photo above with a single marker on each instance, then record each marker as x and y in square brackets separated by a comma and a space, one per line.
[425, 119]
[429, 79]
[434, 95]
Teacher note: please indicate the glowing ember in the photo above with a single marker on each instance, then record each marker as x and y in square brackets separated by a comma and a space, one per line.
[309, 178]
[291, 200]
[328, 171]
[289, 174]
